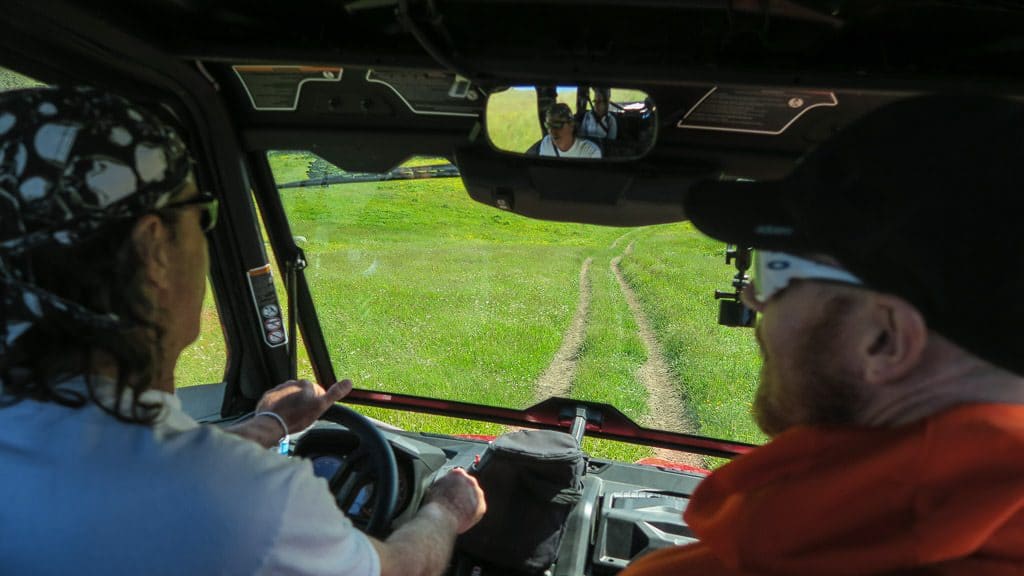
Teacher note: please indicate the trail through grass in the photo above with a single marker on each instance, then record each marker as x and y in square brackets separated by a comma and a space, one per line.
[612, 354]
[422, 291]
[674, 271]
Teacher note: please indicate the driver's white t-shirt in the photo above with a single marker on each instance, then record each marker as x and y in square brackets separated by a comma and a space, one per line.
[581, 148]
[83, 493]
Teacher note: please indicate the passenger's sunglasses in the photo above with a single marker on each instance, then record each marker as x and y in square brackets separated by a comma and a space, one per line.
[208, 205]
[773, 272]
[555, 125]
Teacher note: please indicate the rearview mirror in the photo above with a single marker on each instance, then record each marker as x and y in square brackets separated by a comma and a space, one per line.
[572, 122]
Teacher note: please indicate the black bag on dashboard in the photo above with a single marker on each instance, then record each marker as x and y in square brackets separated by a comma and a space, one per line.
[531, 479]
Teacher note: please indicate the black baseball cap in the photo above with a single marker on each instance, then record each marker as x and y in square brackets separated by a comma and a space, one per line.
[919, 199]
[559, 112]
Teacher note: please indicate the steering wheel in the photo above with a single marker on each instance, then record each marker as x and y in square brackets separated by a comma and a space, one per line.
[354, 473]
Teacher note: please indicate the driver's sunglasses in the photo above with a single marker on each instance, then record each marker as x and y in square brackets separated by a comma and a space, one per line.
[207, 204]
[774, 271]
[555, 125]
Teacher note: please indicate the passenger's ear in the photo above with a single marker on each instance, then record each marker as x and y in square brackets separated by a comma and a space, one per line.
[152, 244]
[894, 341]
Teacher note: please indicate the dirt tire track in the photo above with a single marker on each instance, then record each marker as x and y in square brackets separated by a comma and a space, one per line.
[620, 239]
[666, 407]
[557, 379]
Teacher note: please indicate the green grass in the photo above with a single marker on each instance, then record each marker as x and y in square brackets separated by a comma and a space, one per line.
[422, 291]
[11, 80]
[204, 361]
[435, 319]
[612, 350]
[626, 95]
[674, 271]
[611, 354]
[291, 165]
[512, 121]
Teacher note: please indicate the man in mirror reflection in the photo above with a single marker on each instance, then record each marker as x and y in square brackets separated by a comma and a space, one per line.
[597, 123]
[561, 140]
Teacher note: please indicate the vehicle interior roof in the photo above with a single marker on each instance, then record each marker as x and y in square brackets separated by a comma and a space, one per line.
[671, 39]
[867, 52]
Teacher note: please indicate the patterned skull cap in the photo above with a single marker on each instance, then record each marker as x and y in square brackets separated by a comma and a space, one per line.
[72, 161]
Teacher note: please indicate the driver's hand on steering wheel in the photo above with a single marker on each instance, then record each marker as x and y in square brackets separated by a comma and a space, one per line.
[459, 494]
[300, 402]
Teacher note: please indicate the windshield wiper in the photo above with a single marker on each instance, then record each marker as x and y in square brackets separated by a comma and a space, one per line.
[577, 417]
[399, 173]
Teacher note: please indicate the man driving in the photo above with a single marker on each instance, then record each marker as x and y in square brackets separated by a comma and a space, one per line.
[103, 265]
[561, 140]
[887, 282]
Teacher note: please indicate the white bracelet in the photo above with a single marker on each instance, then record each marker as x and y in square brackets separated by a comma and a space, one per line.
[275, 416]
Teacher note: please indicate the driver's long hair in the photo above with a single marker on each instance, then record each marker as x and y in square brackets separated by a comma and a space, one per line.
[103, 274]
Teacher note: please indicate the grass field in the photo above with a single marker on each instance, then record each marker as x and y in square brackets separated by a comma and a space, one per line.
[674, 270]
[611, 354]
[10, 80]
[512, 122]
[421, 290]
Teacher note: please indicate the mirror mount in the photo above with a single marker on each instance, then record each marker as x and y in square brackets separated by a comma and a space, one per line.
[731, 309]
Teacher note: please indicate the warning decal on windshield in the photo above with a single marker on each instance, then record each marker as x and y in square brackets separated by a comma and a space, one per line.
[261, 284]
[753, 110]
[278, 87]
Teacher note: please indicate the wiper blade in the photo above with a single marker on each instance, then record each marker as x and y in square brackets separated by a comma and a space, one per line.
[599, 420]
[400, 173]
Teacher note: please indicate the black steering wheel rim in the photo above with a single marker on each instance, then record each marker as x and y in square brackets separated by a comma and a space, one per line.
[384, 469]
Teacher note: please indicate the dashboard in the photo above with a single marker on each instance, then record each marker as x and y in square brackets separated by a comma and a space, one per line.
[625, 509]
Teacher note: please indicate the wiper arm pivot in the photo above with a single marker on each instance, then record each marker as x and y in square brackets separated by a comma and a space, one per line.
[582, 416]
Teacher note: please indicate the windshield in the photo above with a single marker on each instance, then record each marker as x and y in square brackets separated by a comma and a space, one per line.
[422, 291]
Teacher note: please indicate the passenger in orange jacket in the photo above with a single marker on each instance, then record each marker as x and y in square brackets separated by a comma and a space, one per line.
[889, 283]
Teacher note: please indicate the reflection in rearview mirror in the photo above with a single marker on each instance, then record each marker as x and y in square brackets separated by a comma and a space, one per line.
[584, 122]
